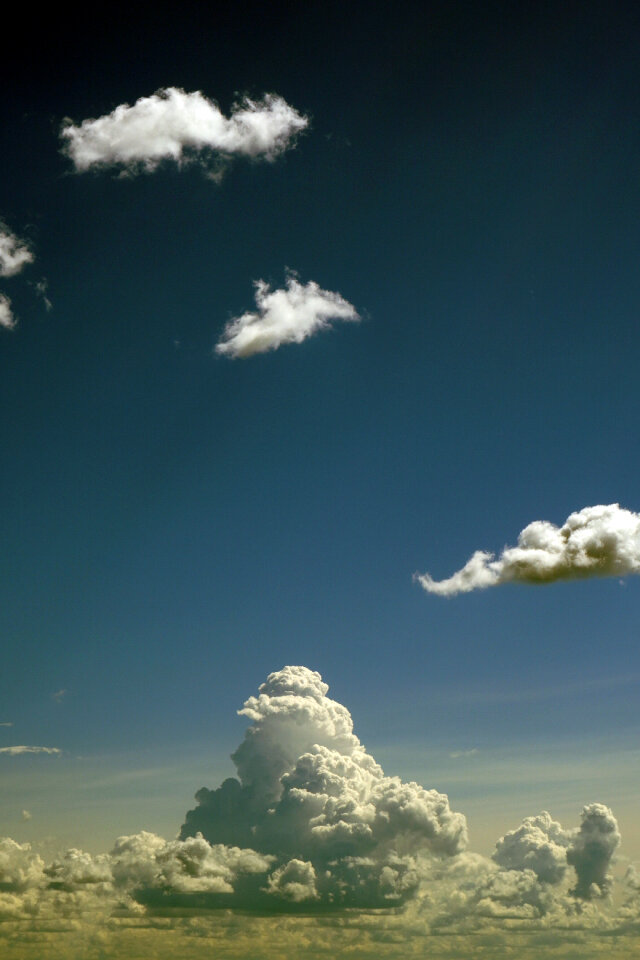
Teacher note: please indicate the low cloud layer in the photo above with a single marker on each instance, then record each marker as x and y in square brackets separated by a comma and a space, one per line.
[287, 315]
[312, 830]
[601, 541]
[180, 127]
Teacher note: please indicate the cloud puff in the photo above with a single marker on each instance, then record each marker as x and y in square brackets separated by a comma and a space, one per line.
[16, 751]
[539, 844]
[592, 849]
[310, 796]
[283, 316]
[601, 541]
[15, 254]
[178, 126]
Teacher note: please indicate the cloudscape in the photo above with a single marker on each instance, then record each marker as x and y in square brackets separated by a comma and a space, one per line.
[320, 528]
[312, 826]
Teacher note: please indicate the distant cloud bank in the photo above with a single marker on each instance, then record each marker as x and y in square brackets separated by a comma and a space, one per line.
[600, 541]
[178, 126]
[282, 316]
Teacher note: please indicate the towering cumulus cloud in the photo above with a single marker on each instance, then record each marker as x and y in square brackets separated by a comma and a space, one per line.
[310, 796]
[602, 541]
[179, 126]
[283, 316]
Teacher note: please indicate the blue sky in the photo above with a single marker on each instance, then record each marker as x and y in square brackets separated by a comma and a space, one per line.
[178, 524]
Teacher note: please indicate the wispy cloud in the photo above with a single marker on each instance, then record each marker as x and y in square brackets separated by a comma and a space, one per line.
[27, 815]
[287, 315]
[6, 723]
[18, 750]
[462, 754]
[41, 287]
[178, 126]
[59, 695]
[601, 541]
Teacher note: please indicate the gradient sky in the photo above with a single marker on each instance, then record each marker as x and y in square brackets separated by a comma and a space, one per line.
[176, 524]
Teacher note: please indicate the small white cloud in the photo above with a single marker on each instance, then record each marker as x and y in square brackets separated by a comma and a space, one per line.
[59, 695]
[460, 754]
[283, 316]
[18, 750]
[601, 541]
[6, 723]
[15, 254]
[26, 815]
[175, 125]
[7, 319]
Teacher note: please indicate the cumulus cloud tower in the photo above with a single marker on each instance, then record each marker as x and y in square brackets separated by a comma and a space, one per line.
[310, 796]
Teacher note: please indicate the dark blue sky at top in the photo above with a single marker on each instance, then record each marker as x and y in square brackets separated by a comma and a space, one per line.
[176, 525]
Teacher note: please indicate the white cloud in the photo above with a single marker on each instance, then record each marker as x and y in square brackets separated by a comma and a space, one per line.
[27, 815]
[15, 254]
[6, 723]
[601, 541]
[7, 319]
[539, 844]
[283, 316]
[16, 751]
[59, 695]
[178, 126]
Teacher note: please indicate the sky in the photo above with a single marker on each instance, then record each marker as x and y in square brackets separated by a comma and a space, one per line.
[318, 402]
